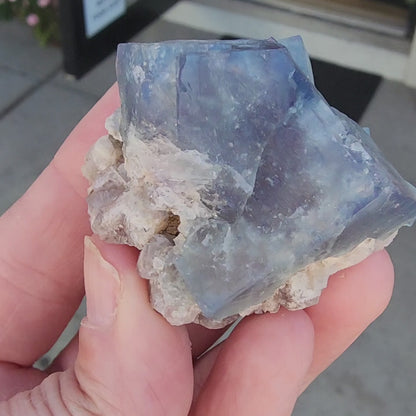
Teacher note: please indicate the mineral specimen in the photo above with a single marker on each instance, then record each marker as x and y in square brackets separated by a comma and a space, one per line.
[242, 187]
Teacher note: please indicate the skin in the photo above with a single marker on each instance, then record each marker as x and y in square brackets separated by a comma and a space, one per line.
[127, 360]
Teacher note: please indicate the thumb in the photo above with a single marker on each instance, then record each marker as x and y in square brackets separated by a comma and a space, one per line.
[130, 360]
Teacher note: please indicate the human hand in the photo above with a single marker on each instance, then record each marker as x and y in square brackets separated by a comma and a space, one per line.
[127, 360]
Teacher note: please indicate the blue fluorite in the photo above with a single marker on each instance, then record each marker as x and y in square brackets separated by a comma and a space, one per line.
[298, 181]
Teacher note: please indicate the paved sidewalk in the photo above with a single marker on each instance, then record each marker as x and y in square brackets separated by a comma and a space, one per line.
[39, 106]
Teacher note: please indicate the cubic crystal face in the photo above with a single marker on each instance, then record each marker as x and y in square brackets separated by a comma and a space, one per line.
[242, 187]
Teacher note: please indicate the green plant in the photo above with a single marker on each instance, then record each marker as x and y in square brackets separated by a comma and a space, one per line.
[41, 15]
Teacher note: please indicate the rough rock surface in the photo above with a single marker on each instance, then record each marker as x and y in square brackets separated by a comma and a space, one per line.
[242, 187]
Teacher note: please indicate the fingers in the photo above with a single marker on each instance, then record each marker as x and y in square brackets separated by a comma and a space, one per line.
[41, 239]
[41, 266]
[201, 339]
[355, 297]
[71, 156]
[260, 368]
[14, 379]
[130, 358]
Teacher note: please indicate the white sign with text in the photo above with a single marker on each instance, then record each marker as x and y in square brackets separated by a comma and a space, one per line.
[98, 14]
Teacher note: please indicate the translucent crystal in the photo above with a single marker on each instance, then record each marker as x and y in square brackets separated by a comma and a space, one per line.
[242, 187]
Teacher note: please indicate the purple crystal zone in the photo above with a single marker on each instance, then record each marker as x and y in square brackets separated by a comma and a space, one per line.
[299, 181]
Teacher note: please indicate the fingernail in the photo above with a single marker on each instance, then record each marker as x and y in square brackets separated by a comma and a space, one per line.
[102, 287]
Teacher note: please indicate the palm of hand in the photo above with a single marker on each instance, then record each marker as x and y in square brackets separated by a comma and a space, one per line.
[127, 359]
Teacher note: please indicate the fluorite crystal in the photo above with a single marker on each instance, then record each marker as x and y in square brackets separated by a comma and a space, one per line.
[242, 187]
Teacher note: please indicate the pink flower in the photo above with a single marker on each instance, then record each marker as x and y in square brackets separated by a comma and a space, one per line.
[44, 3]
[32, 19]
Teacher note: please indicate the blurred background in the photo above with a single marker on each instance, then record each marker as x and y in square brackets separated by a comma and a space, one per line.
[57, 59]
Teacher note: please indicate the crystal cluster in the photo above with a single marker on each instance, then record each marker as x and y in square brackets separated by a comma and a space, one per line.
[242, 187]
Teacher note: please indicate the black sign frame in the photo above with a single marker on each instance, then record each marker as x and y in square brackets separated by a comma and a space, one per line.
[81, 53]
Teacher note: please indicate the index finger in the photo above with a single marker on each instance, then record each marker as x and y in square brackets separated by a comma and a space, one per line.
[41, 245]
